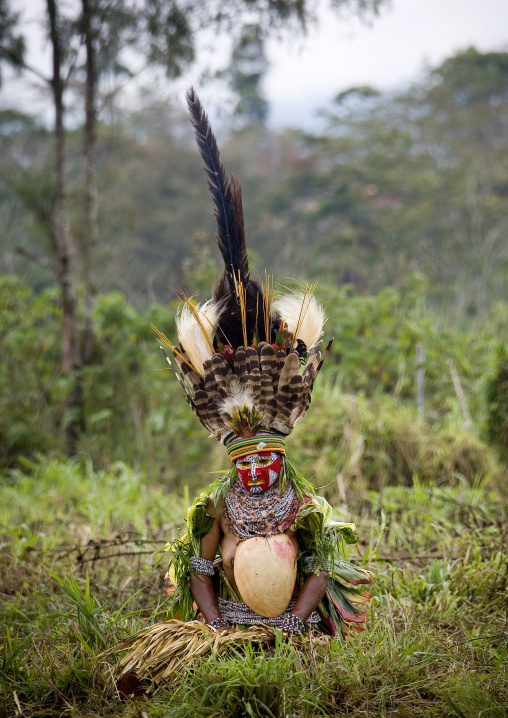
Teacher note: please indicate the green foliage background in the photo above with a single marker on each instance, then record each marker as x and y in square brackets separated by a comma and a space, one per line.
[363, 413]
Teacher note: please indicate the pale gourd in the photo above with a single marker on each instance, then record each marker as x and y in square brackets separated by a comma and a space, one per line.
[265, 573]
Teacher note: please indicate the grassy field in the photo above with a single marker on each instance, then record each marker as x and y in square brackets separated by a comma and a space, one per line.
[78, 573]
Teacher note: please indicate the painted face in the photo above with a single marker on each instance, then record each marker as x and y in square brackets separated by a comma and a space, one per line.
[258, 471]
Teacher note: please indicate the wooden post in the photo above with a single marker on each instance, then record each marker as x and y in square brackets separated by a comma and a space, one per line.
[459, 391]
[420, 376]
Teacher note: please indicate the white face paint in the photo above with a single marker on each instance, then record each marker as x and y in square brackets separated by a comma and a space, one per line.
[258, 471]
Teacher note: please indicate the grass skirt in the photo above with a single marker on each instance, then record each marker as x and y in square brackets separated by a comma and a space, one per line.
[158, 651]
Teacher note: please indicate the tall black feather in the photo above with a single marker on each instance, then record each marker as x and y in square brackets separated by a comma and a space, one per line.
[227, 197]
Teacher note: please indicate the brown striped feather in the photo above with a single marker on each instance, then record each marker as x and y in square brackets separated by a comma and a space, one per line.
[252, 359]
[241, 370]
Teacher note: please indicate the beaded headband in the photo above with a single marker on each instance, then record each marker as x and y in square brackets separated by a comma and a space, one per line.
[243, 445]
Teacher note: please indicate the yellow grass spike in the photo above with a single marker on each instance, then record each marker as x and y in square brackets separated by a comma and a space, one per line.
[163, 338]
[307, 297]
[268, 297]
[240, 293]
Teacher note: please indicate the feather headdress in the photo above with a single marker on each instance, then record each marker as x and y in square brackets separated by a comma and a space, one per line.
[240, 355]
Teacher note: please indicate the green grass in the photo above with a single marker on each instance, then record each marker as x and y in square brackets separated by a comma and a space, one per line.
[436, 643]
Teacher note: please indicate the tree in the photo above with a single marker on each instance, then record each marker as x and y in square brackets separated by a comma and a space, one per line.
[246, 71]
[463, 124]
[106, 26]
[64, 54]
[12, 43]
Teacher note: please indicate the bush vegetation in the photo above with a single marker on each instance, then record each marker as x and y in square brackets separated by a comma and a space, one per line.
[363, 413]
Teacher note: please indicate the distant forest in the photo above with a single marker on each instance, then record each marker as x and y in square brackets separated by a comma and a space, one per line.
[397, 185]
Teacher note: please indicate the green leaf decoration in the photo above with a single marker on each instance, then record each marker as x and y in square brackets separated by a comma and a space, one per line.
[246, 422]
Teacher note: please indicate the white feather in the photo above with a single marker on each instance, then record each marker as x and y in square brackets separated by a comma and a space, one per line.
[239, 396]
[294, 304]
[195, 339]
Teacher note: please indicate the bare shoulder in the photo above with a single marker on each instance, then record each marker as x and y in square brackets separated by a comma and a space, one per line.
[214, 510]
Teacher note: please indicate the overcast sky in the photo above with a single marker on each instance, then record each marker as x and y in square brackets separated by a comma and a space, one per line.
[392, 51]
[388, 52]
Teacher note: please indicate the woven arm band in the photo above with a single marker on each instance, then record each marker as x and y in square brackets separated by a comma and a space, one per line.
[219, 624]
[292, 624]
[202, 566]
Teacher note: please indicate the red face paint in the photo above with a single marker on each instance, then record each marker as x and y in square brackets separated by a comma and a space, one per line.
[258, 471]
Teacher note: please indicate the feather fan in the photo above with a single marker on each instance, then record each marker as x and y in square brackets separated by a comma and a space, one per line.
[259, 383]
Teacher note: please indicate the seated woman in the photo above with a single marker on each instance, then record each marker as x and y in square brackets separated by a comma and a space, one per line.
[256, 507]
[261, 548]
